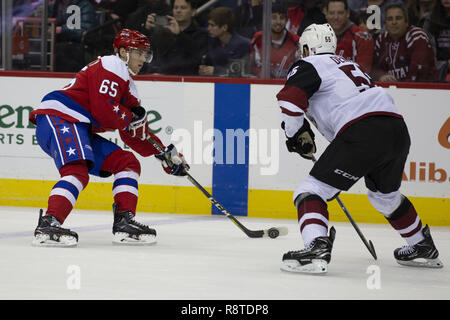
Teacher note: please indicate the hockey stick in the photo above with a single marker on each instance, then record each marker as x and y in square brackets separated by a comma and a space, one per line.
[368, 244]
[271, 233]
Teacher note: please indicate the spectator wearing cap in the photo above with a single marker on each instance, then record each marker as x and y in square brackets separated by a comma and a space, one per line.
[283, 46]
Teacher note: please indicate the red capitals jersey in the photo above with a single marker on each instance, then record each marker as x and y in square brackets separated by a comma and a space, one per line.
[101, 94]
[357, 45]
[282, 55]
[410, 58]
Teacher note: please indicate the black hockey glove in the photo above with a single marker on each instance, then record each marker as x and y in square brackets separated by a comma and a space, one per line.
[302, 142]
[138, 125]
[172, 161]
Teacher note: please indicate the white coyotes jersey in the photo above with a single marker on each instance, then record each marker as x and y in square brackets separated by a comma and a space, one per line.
[333, 93]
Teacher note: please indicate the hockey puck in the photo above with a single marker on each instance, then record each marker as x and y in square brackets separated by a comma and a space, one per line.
[273, 233]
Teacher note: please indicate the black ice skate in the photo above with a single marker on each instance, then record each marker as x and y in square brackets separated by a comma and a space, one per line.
[126, 230]
[422, 254]
[313, 259]
[49, 233]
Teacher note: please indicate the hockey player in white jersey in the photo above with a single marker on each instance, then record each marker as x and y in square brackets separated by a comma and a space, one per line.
[368, 139]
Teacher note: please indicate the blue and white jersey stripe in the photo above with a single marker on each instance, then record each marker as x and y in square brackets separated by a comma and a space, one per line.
[59, 101]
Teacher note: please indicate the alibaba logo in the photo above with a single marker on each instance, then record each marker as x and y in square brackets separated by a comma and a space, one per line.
[444, 134]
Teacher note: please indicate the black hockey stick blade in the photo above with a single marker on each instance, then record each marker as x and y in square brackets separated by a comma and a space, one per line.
[273, 232]
[372, 250]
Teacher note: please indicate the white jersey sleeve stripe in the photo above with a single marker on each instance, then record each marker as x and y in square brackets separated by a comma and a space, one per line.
[289, 106]
[415, 39]
[291, 124]
[58, 106]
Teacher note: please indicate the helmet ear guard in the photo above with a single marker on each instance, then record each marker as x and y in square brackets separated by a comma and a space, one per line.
[318, 38]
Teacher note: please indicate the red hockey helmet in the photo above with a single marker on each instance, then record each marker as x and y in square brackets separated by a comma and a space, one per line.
[131, 39]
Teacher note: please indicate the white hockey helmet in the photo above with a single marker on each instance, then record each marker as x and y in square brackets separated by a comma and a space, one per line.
[318, 38]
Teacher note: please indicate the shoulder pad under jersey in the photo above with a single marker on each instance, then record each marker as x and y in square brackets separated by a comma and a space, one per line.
[115, 65]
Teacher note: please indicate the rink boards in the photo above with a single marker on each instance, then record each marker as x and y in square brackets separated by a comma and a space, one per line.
[251, 173]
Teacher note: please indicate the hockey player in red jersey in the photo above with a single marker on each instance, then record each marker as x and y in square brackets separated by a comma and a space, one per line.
[368, 139]
[102, 97]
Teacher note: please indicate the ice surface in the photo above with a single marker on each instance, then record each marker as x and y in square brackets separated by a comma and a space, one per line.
[204, 258]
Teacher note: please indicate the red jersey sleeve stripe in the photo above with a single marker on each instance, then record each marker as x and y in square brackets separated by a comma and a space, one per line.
[294, 95]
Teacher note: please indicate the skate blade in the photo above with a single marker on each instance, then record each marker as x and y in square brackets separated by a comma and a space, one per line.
[317, 266]
[422, 263]
[43, 240]
[121, 238]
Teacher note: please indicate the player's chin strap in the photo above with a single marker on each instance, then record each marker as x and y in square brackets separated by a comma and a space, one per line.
[129, 69]
[128, 59]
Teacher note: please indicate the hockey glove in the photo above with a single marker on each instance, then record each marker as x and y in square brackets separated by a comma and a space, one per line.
[138, 125]
[302, 142]
[172, 161]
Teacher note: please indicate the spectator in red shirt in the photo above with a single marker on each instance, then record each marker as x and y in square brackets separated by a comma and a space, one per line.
[354, 43]
[403, 52]
[283, 46]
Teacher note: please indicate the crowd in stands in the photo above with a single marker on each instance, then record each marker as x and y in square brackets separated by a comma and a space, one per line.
[392, 40]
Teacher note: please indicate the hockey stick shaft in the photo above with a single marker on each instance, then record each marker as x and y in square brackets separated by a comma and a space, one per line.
[250, 233]
[368, 244]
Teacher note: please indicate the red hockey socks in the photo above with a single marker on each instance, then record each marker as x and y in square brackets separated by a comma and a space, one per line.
[312, 218]
[74, 178]
[126, 170]
[406, 221]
